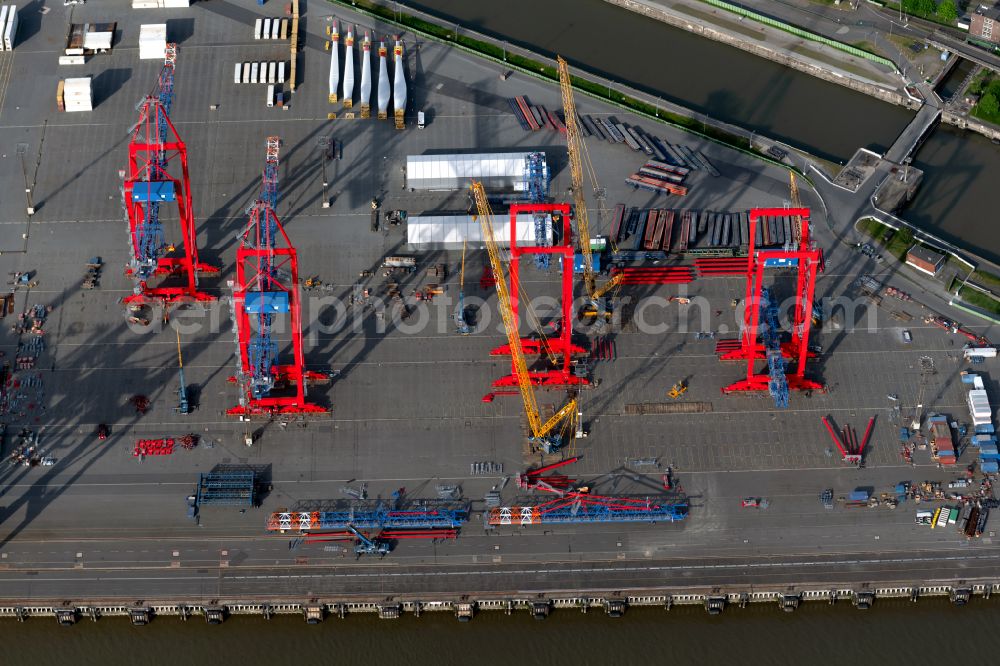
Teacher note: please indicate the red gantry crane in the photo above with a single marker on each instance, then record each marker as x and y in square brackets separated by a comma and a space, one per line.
[266, 287]
[157, 177]
[543, 433]
[806, 259]
[560, 350]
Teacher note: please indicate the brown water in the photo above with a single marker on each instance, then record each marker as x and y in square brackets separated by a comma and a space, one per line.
[826, 119]
[893, 632]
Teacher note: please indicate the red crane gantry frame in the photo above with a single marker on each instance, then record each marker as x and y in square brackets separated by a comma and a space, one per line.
[808, 261]
[153, 144]
[268, 262]
[561, 347]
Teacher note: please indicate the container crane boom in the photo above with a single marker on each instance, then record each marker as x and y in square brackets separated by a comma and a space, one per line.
[539, 430]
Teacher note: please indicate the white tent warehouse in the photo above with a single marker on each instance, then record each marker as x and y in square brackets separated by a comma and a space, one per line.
[497, 171]
[448, 232]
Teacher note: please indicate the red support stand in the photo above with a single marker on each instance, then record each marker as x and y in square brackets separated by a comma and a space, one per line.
[806, 259]
[561, 347]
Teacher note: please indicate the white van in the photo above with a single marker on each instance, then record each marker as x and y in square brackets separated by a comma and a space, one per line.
[270, 96]
[420, 119]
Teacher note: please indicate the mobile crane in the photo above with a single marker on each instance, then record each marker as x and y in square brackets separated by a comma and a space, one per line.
[542, 433]
[578, 158]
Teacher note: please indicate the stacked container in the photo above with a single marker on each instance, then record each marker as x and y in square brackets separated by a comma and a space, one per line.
[152, 41]
[77, 95]
[8, 27]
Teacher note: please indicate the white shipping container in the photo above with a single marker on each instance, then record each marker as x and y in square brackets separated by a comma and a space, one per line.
[3, 22]
[72, 60]
[10, 30]
[281, 72]
[275, 25]
[272, 72]
[985, 352]
[237, 74]
[246, 72]
[175, 4]
[254, 70]
[145, 4]
[267, 29]
[257, 27]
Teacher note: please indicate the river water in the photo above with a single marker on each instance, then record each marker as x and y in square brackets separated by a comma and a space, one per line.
[825, 119]
[893, 632]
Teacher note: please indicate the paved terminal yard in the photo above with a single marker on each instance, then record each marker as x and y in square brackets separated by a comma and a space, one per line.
[406, 408]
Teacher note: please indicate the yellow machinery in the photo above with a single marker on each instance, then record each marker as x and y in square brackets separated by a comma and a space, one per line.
[461, 324]
[579, 159]
[793, 188]
[544, 434]
[677, 390]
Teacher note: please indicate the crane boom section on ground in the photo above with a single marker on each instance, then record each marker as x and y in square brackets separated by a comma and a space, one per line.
[538, 429]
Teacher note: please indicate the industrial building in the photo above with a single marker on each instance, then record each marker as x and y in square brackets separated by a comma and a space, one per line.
[452, 232]
[499, 172]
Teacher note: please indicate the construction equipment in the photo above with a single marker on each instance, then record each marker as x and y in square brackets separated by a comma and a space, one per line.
[851, 451]
[366, 546]
[557, 483]
[677, 390]
[579, 159]
[461, 322]
[582, 507]
[559, 348]
[154, 148]
[758, 341]
[183, 406]
[373, 514]
[541, 433]
[267, 285]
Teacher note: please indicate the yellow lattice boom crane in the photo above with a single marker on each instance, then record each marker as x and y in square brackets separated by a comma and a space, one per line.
[793, 193]
[579, 159]
[541, 432]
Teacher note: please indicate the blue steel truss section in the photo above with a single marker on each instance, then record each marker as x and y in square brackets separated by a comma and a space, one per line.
[770, 337]
[226, 489]
[537, 186]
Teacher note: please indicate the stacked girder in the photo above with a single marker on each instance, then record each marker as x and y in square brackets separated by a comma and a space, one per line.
[577, 507]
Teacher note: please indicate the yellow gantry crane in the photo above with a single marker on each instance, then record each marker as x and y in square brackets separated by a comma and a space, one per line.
[541, 432]
[579, 159]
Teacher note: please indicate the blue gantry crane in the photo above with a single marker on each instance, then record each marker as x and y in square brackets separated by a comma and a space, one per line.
[770, 336]
[537, 187]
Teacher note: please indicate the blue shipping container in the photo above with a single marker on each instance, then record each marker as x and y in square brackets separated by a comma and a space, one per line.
[989, 466]
[986, 428]
[858, 496]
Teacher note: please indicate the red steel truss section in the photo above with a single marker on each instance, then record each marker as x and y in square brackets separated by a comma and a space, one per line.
[560, 348]
[807, 260]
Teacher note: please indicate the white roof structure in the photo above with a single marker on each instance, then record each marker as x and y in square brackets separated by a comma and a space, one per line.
[979, 407]
[448, 232]
[497, 171]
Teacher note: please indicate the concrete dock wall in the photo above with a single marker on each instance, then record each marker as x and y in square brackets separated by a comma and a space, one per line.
[714, 600]
[685, 23]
